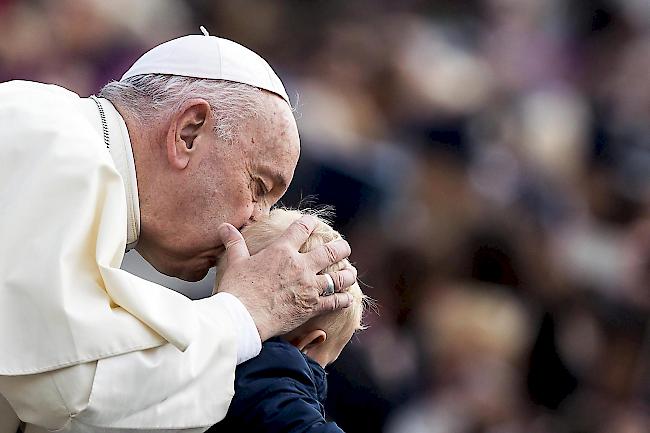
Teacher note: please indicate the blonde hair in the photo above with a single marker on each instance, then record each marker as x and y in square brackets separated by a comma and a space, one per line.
[267, 229]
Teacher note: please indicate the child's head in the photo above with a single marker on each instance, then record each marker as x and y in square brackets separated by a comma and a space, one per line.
[323, 337]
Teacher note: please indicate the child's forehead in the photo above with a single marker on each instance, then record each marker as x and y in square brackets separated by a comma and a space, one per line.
[279, 220]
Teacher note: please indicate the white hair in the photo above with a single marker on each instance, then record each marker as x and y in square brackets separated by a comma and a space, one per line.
[150, 97]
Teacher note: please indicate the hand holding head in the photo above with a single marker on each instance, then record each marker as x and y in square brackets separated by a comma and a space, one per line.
[280, 283]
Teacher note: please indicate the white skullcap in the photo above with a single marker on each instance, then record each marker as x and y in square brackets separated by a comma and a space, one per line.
[205, 56]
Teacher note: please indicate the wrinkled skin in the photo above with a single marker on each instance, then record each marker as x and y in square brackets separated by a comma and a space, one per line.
[293, 295]
[190, 183]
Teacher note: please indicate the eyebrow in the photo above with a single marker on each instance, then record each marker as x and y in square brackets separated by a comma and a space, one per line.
[277, 177]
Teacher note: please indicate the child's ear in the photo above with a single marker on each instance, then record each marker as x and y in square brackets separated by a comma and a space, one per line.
[310, 339]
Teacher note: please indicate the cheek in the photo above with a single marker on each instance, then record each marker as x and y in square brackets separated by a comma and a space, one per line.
[240, 207]
[231, 199]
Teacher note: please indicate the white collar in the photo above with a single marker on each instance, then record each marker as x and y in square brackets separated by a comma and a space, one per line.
[122, 154]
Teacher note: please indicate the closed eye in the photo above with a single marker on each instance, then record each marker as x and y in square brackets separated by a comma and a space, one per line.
[260, 189]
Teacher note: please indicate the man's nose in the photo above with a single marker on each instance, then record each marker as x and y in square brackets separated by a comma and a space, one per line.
[260, 210]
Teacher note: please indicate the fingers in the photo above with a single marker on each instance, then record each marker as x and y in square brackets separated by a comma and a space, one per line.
[328, 254]
[299, 231]
[329, 285]
[233, 241]
[334, 302]
[342, 280]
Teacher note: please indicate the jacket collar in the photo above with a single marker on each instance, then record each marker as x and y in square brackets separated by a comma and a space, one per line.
[320, 377]
[292, 358]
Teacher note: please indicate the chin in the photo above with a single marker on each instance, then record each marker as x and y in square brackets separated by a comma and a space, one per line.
[192, 269]
[192, 275]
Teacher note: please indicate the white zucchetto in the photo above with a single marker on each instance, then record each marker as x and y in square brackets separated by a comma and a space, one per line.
[209, 57]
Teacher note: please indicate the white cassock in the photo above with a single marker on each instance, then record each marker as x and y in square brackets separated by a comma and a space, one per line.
[84, 345]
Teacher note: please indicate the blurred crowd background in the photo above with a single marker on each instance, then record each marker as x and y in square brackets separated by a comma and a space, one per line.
[489, 162]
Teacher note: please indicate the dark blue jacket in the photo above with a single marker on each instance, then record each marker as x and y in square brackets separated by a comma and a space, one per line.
[280, 390]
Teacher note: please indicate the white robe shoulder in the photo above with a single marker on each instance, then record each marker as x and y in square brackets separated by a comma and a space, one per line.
[86, 346]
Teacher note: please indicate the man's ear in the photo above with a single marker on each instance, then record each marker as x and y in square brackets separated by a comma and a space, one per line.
[309, 340]
[187, 124]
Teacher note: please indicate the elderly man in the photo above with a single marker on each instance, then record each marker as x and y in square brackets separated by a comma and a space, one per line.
[195, 141]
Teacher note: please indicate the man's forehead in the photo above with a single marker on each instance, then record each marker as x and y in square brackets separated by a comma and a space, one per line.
[280, 176]
[274, 141]
[271, 142]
